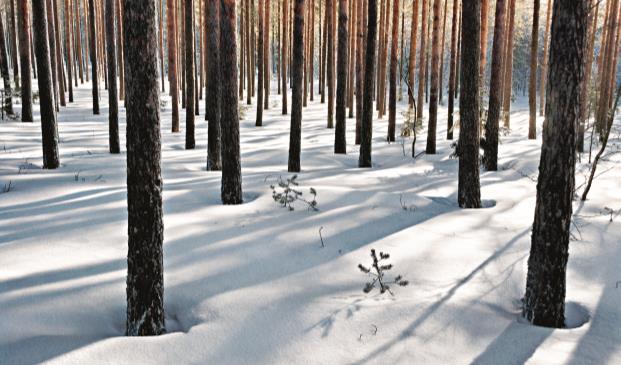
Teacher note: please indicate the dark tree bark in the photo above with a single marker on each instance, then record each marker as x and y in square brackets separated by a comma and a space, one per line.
[340, 143]
[359, 66]
[392, 94]
[297, 69]
[113, 114]
[490, 147]
[412, 60]
[212, 97]
[330, 4]
[49, 130]
[14, 52]
[260, 59]
[93, 54]
[229, 117]
[508, 72]
[4, 69]
[69, 47]
[544, 61]
[435, 80]
[422, 61]
[452, 72]
[544, 300]
[250, 47]
[59, 55]
[284, 54]
[190, 142]
[367, 109]
[483, 40]
[145, 280]
[51, 30]
[266, 56]
[23, 14]
[532, 80]
[469, 190]
[171, 16]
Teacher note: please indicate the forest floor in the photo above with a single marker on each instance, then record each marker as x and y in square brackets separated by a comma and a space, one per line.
[253, 284]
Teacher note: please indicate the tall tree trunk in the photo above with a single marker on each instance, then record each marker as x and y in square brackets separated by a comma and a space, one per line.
[266, 56]
[311, 57]
[190, 143]
[171, 16]
[69, 47]
[351, 57]
[113, 113]
[340, 144]
[93, 53]
[469, 190]
[260, 59]
[532, 80]
[544, 300]
[58, 55]
[49, 130]
[508, 72]
[412, 60]
[359, 66]
[452, 72]
[392, 98]
[23, 14]
[483, 41]
[297, 65]
[119, 41]
[401, 58]
[161, 43]
[441, 77]
[4, 69]
[366, 134]
[544, 62]
[250, 47]
[422, 60]
[330, 4]
[145, 269]
[435, 69]
[490, 147]
[284, 55]
[231, 166]
[586, 85]
[14, 52]
[213, 94]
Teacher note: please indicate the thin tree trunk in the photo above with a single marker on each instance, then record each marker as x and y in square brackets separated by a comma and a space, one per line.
[297, 66]
[4, 69]
[93, 55]
[532, 81]
[452, 72]
[412, 60]
[69, 47]
[260, 59]
[441, 77]
[508, 81]
[250, 47]
[340, 144]
[422, 61]
[284, 55]
[367, 113]
[544, 300]
[544, 62]
[359, 65]
[586, 85]
[49, 130]
[392, 98]
[330, 60]
[171, 16]
[266, 56]
[435, 69]
[14, 52]
[483, 41]
[213, 94]
[23, 13]
[113, 113]
[469, 190]
[59, 54]
[190, 142]
[119, 48]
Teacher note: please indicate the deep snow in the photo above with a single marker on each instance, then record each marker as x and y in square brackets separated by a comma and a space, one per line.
[251, 284]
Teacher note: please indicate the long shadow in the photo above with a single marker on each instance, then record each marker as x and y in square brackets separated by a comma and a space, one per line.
[409, 331]
[38, 349]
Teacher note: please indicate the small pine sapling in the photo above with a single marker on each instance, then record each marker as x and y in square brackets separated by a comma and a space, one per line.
[377, 271]
[285, 194]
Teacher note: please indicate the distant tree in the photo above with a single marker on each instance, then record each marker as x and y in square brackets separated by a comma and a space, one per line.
[49, 129]
[392, 94]
[340, 144]
[359, 67]
[69, 47]
[93, 54]
[284, 54]
[483, 41]
[585, 92]
[25, 62]
[297, 68]
[145, 269]
[532, 80]
[435, 69]
[452, 72]
[366, 132]
[412, 57]
[190, 142]
[422, 60]
[330, 6]
[171, 11]
[544, 300]
[213, 95]
[260, 59]
[490, 147]
[14, 52]
[229, 117]
[4, 70]
[508, 66]
[113, 114]
[544, 61]
[266, 55]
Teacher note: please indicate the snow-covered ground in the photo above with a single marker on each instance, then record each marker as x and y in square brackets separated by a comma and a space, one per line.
[252, 284]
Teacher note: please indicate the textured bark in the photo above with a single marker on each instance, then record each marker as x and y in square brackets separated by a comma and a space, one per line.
[23, 14]
[490, 147]
[441, 77]
[4, 70]
[392, 97]
[452, 72]
[284, 54]
[607, 69]
[93, 55]
[330, 4]
[483, 41]
[532, 80]
[54, 49]
[586, 85]
[229, 117]
[212, 97]
[359, 67]
[544, 62]
[340, 144]
[435, 69]
[260, 59]
[297, 68]
[145, 269]
[412, 60]
[366, 134]
[113, 113]
[266, 56]
[69, 47]
[422, 60]
[49, 131]
[14, 51]
[171, 15]
[190, 143]
[59, 55]
[544, 300]
[469, 191]
[508, 72]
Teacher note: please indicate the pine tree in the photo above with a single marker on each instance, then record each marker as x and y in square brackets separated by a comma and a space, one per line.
[93, 55]
[544, 300]
[49, 130]
[392, 96]
[412, 58]
[113, 114]
[4, 70]
[435, 69]
[14, 52]
[284, 53]
[366, 132]
[229, 117]
[469, 191]
[544, 62]
[190, 142]
[213, 95]
[359, 66]
[340, 144]
[260, 59]
[171, 16]
[532, 80]
[23, 14]
[483, 41]
[422, 60]
[452, 72]
[69, 47]
[508, 66]
[297, 68]
[266, 56]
